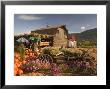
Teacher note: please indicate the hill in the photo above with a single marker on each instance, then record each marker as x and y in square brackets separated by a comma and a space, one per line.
[90, 35]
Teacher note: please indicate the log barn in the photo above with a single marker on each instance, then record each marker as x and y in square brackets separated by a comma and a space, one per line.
[59, 34]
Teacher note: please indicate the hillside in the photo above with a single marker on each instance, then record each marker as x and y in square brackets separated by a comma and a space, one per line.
[90, 34]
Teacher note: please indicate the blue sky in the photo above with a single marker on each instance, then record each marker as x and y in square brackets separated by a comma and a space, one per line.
[24, 23]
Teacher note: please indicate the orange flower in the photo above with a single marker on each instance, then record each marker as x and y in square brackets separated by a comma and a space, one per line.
[24, 62]
[17, 64]
[20, 72]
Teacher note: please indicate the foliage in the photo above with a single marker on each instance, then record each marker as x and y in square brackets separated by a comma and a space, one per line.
[64, 68]
[77, 62]
[81, 68]
[46, 51]
[51, 51]
[86, 43]
[21, 50]
[33, 65]
[67, 53]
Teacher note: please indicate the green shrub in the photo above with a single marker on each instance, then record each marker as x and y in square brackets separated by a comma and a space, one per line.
[46, 51]
[86, 43]
[67, 53]
[21, 50]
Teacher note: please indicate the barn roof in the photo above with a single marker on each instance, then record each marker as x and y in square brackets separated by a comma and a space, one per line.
[50, 30]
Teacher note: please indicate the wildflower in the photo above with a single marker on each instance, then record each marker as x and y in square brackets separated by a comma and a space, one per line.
[55, 69]
[88, 64]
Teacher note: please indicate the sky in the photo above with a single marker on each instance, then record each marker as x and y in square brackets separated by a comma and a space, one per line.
[75, 23]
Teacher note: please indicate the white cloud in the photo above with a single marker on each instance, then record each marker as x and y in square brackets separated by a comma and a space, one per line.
[83, 28]
[29, 17]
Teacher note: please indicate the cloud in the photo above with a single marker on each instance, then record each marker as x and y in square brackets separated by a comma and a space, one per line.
[29, 17]
[83, 28]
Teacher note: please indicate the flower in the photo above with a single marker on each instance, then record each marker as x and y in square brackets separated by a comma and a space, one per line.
[88, 64]
[55, 69]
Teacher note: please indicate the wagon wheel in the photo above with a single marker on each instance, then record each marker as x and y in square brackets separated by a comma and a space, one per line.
[45, 57]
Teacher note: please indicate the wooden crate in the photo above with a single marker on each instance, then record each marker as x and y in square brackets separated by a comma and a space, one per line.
[44, 43]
